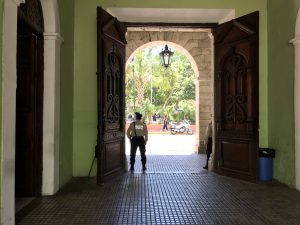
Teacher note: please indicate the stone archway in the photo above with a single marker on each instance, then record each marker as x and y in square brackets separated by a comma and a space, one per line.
[52, 41]
[196, 44]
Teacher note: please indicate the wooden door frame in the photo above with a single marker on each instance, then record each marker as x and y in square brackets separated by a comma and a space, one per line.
[22, 22]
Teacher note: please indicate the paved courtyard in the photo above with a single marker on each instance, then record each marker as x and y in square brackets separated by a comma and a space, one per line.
[167, 144]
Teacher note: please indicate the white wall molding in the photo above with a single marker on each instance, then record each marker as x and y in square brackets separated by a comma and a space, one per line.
[295, 40]
[296, 43]
[54, 36]
[18, 2]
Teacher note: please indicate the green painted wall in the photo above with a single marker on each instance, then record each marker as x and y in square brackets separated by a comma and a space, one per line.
[66, 12]
[85, 54]
[281, 25]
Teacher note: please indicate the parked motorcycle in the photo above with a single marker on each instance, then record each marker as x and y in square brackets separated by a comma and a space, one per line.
[182, 127]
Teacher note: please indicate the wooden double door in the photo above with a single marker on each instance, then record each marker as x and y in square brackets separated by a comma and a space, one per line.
[236, 96]
[110, 149]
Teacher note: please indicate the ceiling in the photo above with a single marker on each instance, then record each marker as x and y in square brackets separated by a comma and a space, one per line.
[172, 15]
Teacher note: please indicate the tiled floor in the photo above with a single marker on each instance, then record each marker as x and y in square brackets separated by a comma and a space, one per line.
[174, 190]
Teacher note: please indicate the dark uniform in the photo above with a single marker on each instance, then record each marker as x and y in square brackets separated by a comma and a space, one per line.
[138, 134]
[208, 140]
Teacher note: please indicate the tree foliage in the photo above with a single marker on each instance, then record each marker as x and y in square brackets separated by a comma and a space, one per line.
[152, 88]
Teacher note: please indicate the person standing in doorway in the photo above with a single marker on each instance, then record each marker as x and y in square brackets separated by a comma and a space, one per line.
[208, 143]
[137, 132]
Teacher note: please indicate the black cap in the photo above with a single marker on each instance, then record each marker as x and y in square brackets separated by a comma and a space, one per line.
[138, 116]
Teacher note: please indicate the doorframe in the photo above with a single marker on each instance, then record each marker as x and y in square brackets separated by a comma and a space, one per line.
[296, 42]
[26, 30]
[195, 68]
[196, 65]
[52, 43]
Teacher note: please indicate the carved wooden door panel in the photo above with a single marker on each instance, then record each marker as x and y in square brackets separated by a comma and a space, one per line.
[110, 149]
[236, 97]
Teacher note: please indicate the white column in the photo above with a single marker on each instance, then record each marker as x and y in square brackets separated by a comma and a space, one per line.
[52, 42]
[297, 114]
[296, 43]
[9, 85]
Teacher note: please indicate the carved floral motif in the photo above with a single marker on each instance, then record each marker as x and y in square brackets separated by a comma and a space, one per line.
[235, 112]
[234, 72]
[234, 66]
[113, 136]
[113, 97]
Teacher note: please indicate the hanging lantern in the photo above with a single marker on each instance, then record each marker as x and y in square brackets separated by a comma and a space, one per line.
[166, 55]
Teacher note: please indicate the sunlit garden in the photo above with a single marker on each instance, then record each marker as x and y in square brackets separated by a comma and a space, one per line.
[157, 91]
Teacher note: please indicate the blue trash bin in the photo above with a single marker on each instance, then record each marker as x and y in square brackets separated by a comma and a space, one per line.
[266, 156]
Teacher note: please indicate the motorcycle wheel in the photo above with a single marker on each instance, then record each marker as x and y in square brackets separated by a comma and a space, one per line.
[173, 131]
[182, 129]
[190, 131]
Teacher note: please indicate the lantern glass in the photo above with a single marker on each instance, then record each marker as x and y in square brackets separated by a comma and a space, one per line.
[166, 55]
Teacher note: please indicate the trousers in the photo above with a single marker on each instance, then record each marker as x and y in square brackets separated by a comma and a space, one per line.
[208, 149]
[135, 143]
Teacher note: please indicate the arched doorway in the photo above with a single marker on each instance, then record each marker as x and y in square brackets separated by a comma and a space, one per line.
[52, 42]
[196, 45]
[161, 93]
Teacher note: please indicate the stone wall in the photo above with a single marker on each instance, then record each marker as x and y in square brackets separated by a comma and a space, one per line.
[197, 46]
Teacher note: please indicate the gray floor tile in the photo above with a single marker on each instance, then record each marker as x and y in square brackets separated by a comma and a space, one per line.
[173, 190]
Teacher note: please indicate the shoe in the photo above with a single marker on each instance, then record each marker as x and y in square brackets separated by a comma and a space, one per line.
[205, 167]
[144, 168]
[131, 168]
